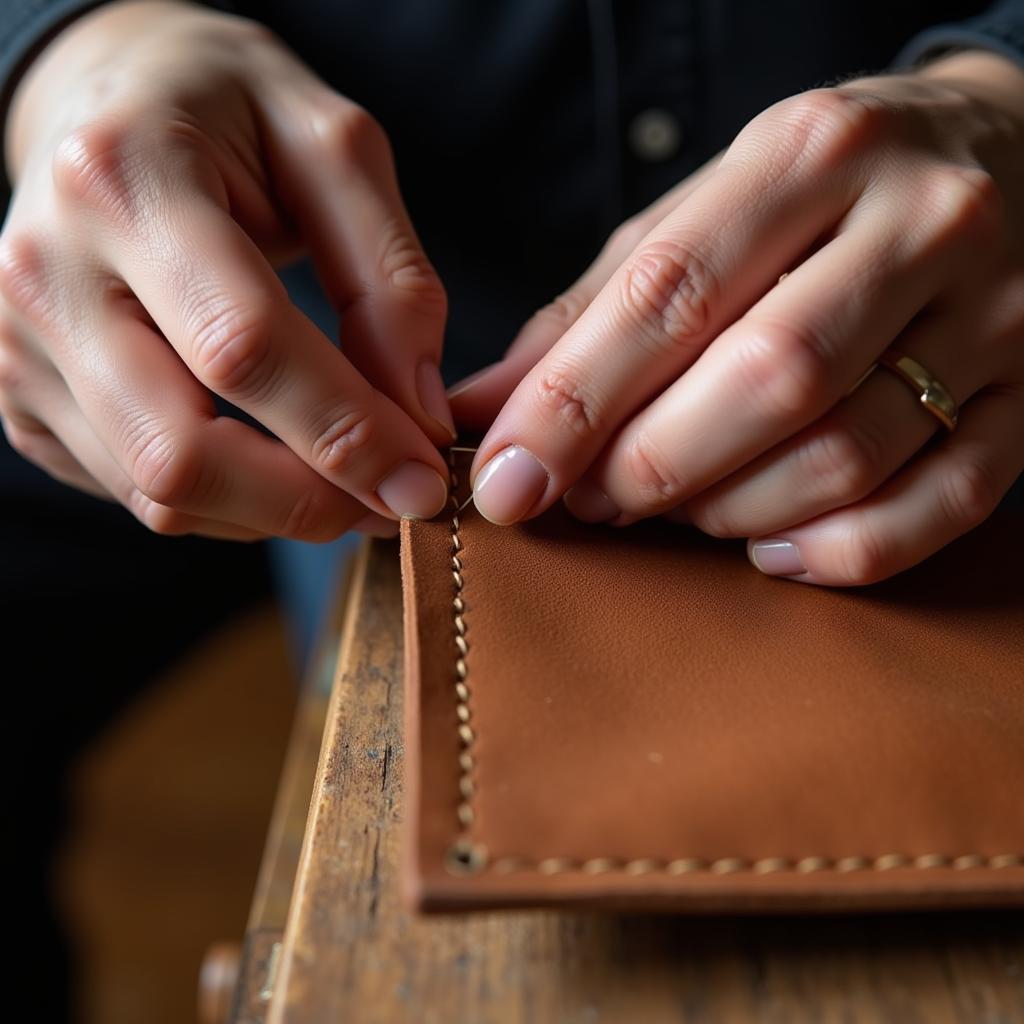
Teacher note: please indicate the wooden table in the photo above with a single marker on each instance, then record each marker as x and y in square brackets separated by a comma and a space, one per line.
[329, 942]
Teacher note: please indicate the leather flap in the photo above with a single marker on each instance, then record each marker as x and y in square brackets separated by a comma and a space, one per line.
[638, 718]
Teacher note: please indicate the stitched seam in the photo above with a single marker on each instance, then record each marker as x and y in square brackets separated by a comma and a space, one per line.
[466, 856]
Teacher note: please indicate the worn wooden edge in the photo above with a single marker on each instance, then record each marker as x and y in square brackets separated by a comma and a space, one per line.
[256, 980]
[353, 600]
[276, 879]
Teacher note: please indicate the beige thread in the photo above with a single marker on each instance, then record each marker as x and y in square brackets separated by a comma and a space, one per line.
[465, 856]
[468, 857]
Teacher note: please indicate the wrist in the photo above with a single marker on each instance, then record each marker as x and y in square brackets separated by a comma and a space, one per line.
[52, 82]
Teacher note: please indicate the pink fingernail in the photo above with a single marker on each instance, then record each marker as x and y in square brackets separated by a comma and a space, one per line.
[413, 491]
[467, 382]
[430, 388]
[509, 485]
[588, 502]
[777, 557]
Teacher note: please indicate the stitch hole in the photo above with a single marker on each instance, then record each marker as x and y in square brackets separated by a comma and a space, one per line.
[466, 858]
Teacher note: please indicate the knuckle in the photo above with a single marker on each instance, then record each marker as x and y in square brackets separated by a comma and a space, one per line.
[968, 200]
[27, 436]
[24, 281]
[232, 347]
[668, 291]
[349, 133]
[158, 518]
[654, 484]
[626, 237]
[405, 268]
[968, 493]
[168, 470]
[305, 519]
[90, 167]
[782, 372]
[563, 396]
[862, 555]
[349, 433]
[710, 517]
[564, 310]
[827, 126]
[845, 462]
[12, 370]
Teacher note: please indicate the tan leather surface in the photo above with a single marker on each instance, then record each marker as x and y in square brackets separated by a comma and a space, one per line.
[656, 724]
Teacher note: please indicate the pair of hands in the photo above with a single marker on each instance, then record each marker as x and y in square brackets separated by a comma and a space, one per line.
[167, 158]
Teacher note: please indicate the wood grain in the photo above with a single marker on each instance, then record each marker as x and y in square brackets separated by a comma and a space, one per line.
[351, 953]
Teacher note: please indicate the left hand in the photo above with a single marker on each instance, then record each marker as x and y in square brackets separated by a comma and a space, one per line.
[677, 376]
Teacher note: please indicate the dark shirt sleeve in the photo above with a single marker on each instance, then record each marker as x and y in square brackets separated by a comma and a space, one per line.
[999, 29]
[25, 24]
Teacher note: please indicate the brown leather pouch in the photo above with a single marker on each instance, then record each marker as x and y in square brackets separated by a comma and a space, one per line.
[637, 718]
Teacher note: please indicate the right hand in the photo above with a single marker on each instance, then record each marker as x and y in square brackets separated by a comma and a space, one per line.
[165, 158]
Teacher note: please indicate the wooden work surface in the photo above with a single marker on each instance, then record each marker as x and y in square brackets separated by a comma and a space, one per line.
[349, 952]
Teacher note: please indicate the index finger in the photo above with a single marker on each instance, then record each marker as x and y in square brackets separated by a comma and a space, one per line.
[227, 315]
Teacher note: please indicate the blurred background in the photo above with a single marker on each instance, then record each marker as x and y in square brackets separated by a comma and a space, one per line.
[169, 808]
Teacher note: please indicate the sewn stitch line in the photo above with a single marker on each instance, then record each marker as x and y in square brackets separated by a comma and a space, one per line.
[464, 856]
[467, 857]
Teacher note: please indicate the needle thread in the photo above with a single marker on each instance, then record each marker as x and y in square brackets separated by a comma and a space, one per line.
[468, 451]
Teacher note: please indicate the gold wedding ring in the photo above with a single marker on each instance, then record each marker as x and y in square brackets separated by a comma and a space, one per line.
[932, 393]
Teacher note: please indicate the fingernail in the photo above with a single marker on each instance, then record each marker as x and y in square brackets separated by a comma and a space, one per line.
[413, 490]
[777, 557]
[430, 388]
[588, 502]
[509, 485]
[376, 526]
[467, 382]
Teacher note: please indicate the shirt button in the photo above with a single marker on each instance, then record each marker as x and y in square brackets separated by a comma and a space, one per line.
[654, 135]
